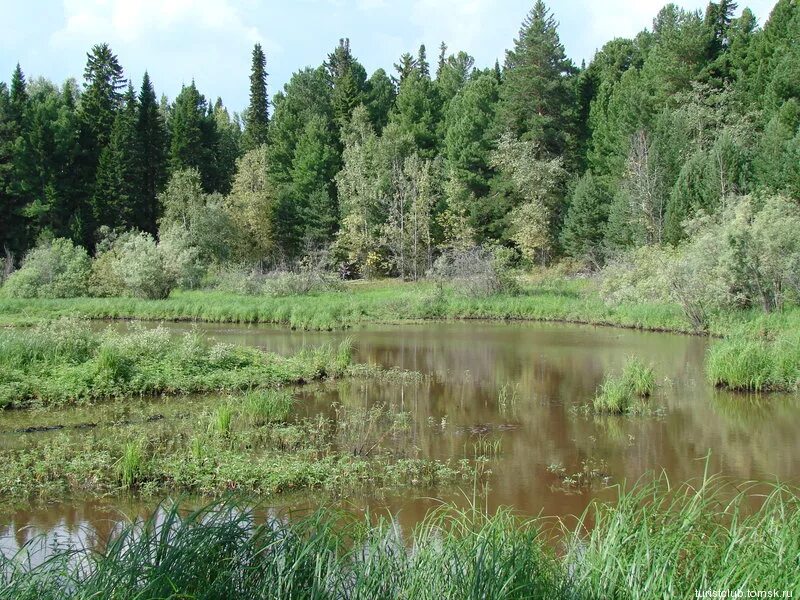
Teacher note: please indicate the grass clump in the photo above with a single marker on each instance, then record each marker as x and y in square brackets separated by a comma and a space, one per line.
[653, 542]
[67, 362]
[769, 361]
[130, 464]
[266, 406]
[619, 395]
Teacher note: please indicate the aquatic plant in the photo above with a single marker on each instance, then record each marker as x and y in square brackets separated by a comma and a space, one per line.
[618, 394]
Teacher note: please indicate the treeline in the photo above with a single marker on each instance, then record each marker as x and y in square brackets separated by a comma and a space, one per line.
[537, 156]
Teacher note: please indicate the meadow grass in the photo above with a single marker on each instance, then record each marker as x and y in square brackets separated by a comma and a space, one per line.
[64, 361]
[653, 542]
[618, 394]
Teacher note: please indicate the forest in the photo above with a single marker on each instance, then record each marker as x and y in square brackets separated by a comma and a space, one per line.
[409, 334]
[647, 155]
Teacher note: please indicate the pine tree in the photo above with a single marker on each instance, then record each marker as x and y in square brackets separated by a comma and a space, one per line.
[442, 56]
[406, 66]
[152, 140]
[257, 116]
[537, 96]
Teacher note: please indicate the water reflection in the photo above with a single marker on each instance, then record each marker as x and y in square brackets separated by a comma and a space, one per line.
[515, 385]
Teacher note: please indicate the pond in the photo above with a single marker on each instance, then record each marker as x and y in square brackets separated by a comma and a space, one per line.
[512, 388]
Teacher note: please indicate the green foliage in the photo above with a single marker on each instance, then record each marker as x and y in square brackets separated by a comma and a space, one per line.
[135, 264]
[742, 256]
[54, 269]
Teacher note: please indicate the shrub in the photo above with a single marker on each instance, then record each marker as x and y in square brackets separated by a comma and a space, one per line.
[476, 271]
[53, 269]
[133, 263]
[742, 256]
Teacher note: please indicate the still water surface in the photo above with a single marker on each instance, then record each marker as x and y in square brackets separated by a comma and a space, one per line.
[514, 384]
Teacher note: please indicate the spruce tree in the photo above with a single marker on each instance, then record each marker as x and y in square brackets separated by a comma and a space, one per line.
[13, 115]
[584, 226]
[256, 125]
[119, 171]
[379, 98]
[193, 136]
[99, 104]
[152, 141]
[347, 79]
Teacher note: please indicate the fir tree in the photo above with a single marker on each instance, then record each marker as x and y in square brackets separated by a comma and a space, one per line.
[256, 125]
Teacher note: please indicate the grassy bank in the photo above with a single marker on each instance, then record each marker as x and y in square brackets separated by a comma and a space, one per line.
[66, 362]
[652, 543]
[386, 301]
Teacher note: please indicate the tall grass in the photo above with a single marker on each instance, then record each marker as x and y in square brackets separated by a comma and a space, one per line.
[130, 464]
[266, 406]
[618, 394]
[756, 362]
[384, 301]
[654, 542]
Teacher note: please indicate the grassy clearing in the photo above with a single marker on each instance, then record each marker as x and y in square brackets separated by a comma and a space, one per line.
[652, 543]
[66, 362]
[765, 361]
[385, 301]
[624, 394]
[246, 442]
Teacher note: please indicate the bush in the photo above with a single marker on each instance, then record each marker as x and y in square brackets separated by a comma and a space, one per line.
[54, 269]
[134, 264]
[240, 281]
[743, 256]
[476, 271]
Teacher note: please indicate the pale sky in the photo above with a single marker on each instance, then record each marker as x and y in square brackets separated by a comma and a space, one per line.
[210, 40]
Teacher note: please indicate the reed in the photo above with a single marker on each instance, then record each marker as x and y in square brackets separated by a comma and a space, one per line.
[652, 542]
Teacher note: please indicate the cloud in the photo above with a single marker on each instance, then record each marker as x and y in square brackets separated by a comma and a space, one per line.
[128, 22]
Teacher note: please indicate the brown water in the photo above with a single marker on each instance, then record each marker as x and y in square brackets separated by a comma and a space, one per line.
[515, 385]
